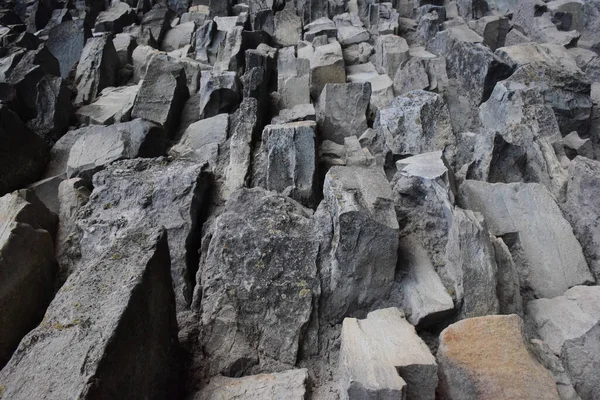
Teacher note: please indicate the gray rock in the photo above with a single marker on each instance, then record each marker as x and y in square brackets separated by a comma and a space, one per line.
[470, 62]
[382, 93]
[361, 264]
[342, 110]
[72, 195]
[66, 42]
[97, 68]
[423, 71]
[528, 131]
[319, 27]
[28, 275]
[575, 146]
[493, 29]
[243, 127]
[326, 65]
[258, 284]
[230, 53]
[564, 86]
[162, 93]
[301, 112]
[415, 123]
[285, 161]
[373, 366]
[117, 310]
[420, 291]
[581, 209]
[125, 44]
[490, 355]
[569, 324]
[287, 26]
[178, 36]
[139, 195]
[23, 154]
[283, 385]
[219, 93]
[98, 146]
[113, 105]
[115, 18]
[154, 25]
[53, 108]
[200, 138]
[59, 154]
[508, 287]
[293, 79]
[548, 256]
[566, 391]
[471, 265]
[350, 29]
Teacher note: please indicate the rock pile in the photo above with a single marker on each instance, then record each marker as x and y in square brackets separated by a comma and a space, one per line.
[300, 199]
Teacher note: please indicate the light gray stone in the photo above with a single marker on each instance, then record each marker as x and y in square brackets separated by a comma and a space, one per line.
[200, 137]
[178, 37]
[548, 256]
[372, 366]
[326, 65]
[97, 68]
[27, 265]
[113, 105]
[342, 110]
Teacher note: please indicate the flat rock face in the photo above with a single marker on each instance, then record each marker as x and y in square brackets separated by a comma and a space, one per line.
[258, 283]
[118, 309]
[570, 324]
[283, 385]
[140, 195]
[365, 238]
[114, 105]
[549, 257]
[487, 358]
[22, 154]
[580, 208]
[381, 357]
[25, 224]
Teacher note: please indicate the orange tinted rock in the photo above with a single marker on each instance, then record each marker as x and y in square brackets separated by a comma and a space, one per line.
[487, 358]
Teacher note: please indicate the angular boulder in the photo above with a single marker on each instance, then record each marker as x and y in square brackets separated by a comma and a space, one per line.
[487, 357]
[548, 256]
[27, 266]
[97, 68]
[382, 357]
[113, 105]
[118, 309]
[364, 244]
[342, 110]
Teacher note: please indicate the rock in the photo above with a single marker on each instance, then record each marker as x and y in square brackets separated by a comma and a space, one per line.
[219, 93]
[113, 105]
[23, 154]
[162, 93]
[548, 256]
[125, 44]
[66, 42]
[287, 26]
[118, 309]
[97, 68]
[342, 110]
[26, 224]
[59, 154]
[285, 162]
[350, 29]
[319, 27]
[98, 146]
[423, 71]
[493, 29]
[326, 65]
[471, 265]
[230, 55]
[118, 16]
[364, 245]
[179, 36]
[357, 53]
[421, 292]
[508, 287]
[487, 357]
[258, 277]
[301, 112]
[463, 50]
[566, 391]
[72, 195]
[293, 79]
[53, 108]
[289, 385]
[569, 324]
[243, 127]
[526, 132]
[202, 138]
[415, 123]
[574, 146]
[580, 209]
[382, 93]
[154, 25]
[562, 83]
[373, 366]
